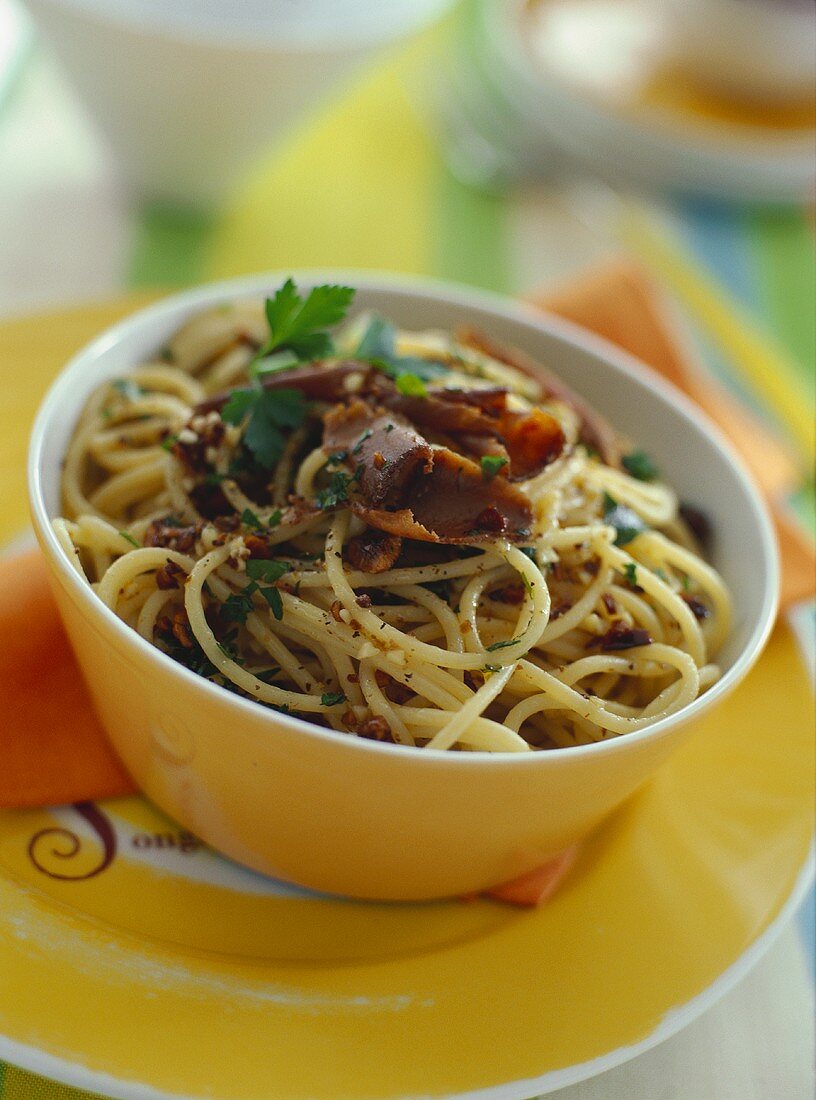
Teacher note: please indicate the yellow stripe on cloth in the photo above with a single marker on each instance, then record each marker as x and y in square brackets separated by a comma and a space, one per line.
[337, 195]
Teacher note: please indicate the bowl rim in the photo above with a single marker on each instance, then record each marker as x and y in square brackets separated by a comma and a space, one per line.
[451, 294]
[253, 34]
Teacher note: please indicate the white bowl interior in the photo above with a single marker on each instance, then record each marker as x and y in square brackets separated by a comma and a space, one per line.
[688, 450]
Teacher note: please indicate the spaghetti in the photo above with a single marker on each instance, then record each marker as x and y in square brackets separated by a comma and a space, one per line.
[416, 538]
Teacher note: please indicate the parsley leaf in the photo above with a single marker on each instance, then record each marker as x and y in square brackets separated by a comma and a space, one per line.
[336, 491]
[501, 645]
[129, 538]
[237, 607]
[630, 572]
[627, 523]
[238, 405]
[378, 345]
[267, 411]
[491, 464]
[332, 698]
[298, 325]
[249, 519]
[271, 364]
[262, 569]
[274, 518]
[378, 340]
[639, 465]
[409, 385]
[273, 598]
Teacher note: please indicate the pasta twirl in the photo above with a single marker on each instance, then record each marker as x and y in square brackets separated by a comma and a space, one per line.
[402, 536]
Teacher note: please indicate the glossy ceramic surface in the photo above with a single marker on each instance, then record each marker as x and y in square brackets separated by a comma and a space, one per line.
[358, 818]
[135, 962]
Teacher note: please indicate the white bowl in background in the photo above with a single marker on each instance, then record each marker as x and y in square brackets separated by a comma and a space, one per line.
[188, 94]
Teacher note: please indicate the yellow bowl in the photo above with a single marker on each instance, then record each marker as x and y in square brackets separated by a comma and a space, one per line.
[355, 817]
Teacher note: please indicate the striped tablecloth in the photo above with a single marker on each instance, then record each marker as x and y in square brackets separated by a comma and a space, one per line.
[365, 186]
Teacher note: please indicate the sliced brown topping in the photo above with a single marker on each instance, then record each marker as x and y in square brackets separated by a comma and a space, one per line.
[621, 636]
[169, 576]
[391, 688]
[479, 423]
[364, 600]
[210, 501]
[698, 608]
[609, 603]
[532, 440]
[324, 380]
[373, 552]
[363, 432]
[376, 729]
[698, 523]
[180, 629]
[172, 536]
[335, 609]
[258, 547]
[596, 432]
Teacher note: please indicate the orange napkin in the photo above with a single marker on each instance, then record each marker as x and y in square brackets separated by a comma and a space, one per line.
[52, 747]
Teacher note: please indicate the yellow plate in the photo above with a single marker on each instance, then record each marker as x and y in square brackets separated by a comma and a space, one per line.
[135, 962]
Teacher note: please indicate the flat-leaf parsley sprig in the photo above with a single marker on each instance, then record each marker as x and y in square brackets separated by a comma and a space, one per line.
[298, 327]
[297, 332]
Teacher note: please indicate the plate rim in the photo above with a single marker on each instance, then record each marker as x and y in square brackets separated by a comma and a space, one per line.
[64, 1071]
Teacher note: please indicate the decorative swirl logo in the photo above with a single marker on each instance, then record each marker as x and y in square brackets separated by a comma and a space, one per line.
[60, 843]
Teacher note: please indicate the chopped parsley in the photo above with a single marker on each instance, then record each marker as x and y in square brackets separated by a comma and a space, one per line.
[627, 523]
[273, 598]
[262, 569]
[410, 385]
[640, 466]
[237, 607]
[169, 442]
[129, 538]
[249, 519]
[358, 446]
[502, 645]
[192, 657]
[274, 518]
[630, 572]
[491, 464]
[336, 492]
[332, 698]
